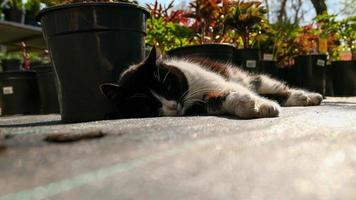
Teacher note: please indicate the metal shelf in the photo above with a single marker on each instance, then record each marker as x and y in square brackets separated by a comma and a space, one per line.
[12, 34]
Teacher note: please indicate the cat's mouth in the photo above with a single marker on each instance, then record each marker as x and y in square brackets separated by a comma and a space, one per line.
[171, 109]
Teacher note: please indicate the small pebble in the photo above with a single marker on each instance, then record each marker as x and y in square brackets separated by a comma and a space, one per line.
[73, 137]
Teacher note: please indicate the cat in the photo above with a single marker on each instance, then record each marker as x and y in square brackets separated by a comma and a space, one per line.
[177, 87]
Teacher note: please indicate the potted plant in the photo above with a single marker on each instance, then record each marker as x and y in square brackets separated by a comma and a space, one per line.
[11, 61]
[91, 43]
[47, 83]
[311, 63]
[32, 7]
[19, 92]
[166, 28]
[2, 16]
[210, 37]
[329, 43]
[247, 20]
[267, 41]
[345, 70]
[13, 11]
[284, 48]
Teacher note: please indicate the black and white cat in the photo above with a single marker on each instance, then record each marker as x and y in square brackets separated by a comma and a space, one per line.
[176, 87]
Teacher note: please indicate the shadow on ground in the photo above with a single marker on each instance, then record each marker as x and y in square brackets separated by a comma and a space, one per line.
[35, 124]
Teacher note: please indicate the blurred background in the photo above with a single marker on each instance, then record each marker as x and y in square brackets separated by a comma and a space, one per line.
[309, 44]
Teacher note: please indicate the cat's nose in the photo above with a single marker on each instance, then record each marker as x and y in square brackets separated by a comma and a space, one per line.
[172, 106]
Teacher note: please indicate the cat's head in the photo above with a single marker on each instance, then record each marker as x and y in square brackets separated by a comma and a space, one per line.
[149, 89]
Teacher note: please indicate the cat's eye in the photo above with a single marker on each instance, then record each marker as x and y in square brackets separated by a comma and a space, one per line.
[137, 96]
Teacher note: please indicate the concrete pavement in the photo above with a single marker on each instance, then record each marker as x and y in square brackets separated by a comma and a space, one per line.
[306, 153]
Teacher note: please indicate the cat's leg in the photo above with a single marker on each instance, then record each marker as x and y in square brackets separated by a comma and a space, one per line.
[242, 103]
[286, 96]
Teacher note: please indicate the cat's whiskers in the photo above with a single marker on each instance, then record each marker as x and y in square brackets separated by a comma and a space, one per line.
[157, 75]
[165, 77]
[198, 92]
[183, 96]
[195, 100]
[194, 95]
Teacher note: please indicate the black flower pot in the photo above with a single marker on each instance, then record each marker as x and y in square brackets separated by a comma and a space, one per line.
[248, 59]
[11, 64]
[269, 67]
[30, 18]
[13, 14]
[19, 93]
[217, 52]
[289, 75]
[47, 85]
[329, 85]
[91, 44]
[344, 73]
[312, 70]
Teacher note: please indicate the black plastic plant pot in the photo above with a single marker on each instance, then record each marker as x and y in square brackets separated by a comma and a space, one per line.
[47, 85]
[13, 14]
[329, 85]
[216, 52]
[344, 73]
[91, 44]
[269, 67]
[288, 75]
[312, 70]
[19, 93]
[248, 59]
[11, 64]
[30, 18]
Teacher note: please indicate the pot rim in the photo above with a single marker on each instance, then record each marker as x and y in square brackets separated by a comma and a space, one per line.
[311, 55]
[6, 73]
[203, 45]
[343, 61]
[89, 4]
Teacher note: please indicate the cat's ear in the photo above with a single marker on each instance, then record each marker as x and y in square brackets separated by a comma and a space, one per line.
[152, 57]
[112, 91]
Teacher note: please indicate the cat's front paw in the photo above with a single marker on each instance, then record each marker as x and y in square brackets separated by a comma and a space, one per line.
[303, 98]
[267, 108]
[248, 106]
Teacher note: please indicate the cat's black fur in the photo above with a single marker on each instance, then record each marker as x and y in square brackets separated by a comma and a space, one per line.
[132, 95]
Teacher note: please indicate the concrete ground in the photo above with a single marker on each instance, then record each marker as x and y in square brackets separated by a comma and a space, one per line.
[306, 153]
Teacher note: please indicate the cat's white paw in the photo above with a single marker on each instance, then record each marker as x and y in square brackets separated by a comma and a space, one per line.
[315, 99]
[267, 108]
[248, 106]
[303, 98]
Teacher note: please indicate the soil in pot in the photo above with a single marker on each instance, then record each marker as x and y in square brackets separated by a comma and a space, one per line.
[344, 73]
[11, 64]
[19, 93]
[248, 59]
[47, 85]
[218, 52]
[312, 70]
[91, 44]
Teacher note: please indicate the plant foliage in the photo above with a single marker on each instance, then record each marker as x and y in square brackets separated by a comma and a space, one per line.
[247, 19]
